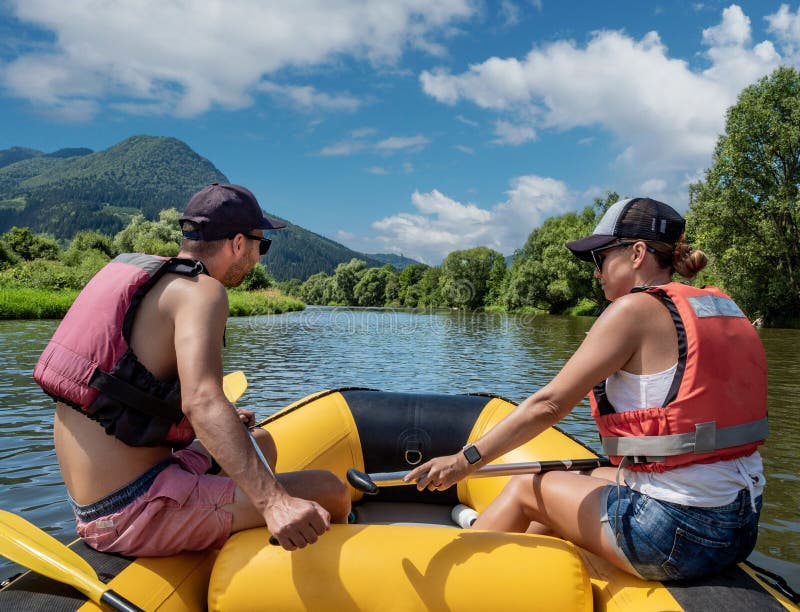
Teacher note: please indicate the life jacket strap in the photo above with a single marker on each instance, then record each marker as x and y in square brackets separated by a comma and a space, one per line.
[706, 438]
[133, 398]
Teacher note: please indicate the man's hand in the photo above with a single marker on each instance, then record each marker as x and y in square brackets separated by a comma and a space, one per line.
[248, 417]
[439, 473]
[296, 522]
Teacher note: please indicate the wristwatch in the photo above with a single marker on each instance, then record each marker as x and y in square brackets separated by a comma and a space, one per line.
[472, 454]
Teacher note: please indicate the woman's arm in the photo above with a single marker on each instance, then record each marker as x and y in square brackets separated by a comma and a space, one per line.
[612, 341]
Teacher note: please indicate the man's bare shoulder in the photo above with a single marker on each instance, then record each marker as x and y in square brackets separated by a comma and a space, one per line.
[191, 294]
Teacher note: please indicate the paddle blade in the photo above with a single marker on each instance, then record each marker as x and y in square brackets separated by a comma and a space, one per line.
[27, 545]
[234, 385]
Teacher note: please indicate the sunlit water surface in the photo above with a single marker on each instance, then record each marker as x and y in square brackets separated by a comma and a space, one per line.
[289, 356]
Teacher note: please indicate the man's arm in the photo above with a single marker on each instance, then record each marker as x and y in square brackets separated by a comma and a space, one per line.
[200, 310]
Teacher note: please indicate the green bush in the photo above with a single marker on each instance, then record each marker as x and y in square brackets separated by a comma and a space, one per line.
[258, 278]
[41, 274]
[29, 246]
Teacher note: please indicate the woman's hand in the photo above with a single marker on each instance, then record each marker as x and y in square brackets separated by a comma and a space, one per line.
[439, 473]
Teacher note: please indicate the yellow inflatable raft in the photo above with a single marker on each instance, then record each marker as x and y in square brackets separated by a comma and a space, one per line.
[404, 551]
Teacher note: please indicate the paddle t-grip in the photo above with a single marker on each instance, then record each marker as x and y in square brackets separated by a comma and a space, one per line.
[361, 481]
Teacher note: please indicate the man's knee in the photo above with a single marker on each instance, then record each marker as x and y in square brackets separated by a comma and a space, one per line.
[267, 445]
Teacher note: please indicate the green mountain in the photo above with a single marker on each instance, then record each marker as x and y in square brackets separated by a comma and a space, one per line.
[68, 191]
[15, 154]
[74, 189]
[398, 261]
[299, 253]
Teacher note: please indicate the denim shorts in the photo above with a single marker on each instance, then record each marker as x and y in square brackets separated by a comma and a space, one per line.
[665, 541]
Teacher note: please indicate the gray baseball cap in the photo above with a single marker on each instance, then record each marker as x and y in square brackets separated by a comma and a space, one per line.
[641, 218]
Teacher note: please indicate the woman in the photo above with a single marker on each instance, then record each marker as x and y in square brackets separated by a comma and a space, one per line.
[678, 389]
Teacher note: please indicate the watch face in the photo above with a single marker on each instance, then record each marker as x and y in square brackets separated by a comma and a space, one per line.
[472, 454]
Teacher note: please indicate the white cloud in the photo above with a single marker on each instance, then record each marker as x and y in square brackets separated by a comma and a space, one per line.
[363, 132]
[398, 143]
[192, 56]
[466, 121]
[464, 149]
[376, 170]
[387, 146]
[511, 134]
[653, 186]
[662, 113]
[442, 224]
[786, 27]
[346, 147]
[509, 13]
[308, 98]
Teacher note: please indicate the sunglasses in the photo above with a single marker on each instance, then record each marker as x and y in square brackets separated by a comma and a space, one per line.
[265, 242]
[599, 258]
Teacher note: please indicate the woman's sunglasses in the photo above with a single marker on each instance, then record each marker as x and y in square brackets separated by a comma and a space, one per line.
[265, 242]
[599, 258]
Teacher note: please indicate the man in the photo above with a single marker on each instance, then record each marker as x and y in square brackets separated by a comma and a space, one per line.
[140, 354]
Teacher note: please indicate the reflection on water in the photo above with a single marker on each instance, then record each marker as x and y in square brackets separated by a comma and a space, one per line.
[289, 356]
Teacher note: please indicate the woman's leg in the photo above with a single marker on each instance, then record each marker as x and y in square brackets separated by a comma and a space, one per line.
[606, 473]
[565, 503]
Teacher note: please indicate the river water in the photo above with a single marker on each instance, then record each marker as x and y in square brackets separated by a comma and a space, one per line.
[289, 356]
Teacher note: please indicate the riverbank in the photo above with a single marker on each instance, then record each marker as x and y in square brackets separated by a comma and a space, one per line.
[20, 303]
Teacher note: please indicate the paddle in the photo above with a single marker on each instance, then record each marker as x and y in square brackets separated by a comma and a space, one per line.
[234, 385]
[368, 483]
[29, 546]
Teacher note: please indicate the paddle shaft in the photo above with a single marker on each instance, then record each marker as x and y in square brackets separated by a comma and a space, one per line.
[395, 479]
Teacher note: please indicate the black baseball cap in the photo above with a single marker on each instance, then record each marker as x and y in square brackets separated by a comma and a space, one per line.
[641, 218]
[222, 211]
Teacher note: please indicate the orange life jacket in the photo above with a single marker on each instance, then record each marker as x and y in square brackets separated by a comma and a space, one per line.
[716, 407]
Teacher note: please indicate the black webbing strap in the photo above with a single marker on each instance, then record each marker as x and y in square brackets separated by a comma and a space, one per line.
[128, 395]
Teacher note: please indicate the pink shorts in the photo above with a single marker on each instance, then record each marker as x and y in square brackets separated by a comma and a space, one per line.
[180, 511]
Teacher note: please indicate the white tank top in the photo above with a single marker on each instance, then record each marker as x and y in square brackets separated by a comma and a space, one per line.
[704, 485]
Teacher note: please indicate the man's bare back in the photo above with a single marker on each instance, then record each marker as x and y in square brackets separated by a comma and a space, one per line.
[92, 463]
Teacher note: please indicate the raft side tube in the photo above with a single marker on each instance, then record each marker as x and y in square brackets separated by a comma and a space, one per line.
[380, 567]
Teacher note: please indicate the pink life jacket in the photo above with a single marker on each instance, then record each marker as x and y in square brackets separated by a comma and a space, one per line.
[90, 366]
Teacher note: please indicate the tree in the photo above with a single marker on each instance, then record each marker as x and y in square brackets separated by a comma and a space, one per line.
[345, 279]
[86, 242]
[258, 278]
[408, 291]
[465, 277]
[745, 213]
[317, 289]
[162, 237]
[29, 246]
[544, 274]
[430, 295]
[370, 290]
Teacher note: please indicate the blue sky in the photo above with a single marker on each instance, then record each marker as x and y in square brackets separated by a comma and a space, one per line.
[408, 126]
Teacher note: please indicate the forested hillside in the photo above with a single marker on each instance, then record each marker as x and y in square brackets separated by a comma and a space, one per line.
[75, 189]
[69, 191]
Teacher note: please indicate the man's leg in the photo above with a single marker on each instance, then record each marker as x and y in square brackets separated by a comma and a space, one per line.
[320, 486]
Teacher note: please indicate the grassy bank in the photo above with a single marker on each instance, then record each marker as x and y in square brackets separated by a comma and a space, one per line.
[27, 303]
[261, 302]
